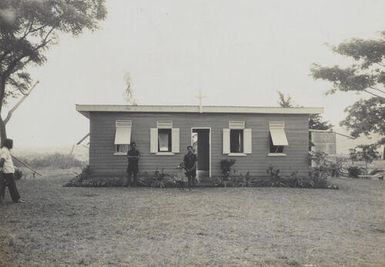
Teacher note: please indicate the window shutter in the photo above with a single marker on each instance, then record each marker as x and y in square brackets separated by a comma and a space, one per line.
[247, 143]
[154, 140]
[226, 141]
[175, 140]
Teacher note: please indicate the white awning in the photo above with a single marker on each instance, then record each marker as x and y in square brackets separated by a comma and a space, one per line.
[123, 135]
[278, 136]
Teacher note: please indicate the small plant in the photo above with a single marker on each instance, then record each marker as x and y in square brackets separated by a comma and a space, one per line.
[354, 171]
[85, 174]
[275, 177]
[226, 165]
[319, 158]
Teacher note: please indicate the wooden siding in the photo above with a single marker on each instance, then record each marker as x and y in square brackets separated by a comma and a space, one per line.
[102, 134]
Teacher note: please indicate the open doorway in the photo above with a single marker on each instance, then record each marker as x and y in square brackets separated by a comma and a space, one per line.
[200, 140]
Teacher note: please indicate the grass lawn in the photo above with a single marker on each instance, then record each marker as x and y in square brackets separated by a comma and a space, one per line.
[61, 226]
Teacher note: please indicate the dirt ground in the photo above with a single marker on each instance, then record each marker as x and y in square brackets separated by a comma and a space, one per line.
[61, 226]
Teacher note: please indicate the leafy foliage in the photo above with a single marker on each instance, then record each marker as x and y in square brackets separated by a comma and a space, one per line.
[285, 101]
[56, 160]
[316, 121]
[226, 165]
[366, 153]
[366, 75]
[316, 178]
[28, 28]
[354, 171]
[366, 116]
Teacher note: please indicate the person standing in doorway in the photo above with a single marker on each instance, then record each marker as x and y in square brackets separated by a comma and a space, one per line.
[133, 156]
[190, 160]
[7, 176]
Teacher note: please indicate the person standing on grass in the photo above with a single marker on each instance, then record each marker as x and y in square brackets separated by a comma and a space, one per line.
[190, 160]
[7, 175]
[133, 156]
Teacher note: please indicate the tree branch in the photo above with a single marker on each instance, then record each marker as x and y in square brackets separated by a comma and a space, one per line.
[28, 29]
[17, 85]
[377, 89]
[374, 94]
[10, 112]
[13, 64]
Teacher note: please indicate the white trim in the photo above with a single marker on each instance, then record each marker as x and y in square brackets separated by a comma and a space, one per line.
[276, 155]
[321, 131]
[85, 109]
[237, 154]
[203, 128]
[276, 124]
[237, 125]
[164, 153]
[123, 123]
[164, 124]
[120, 154]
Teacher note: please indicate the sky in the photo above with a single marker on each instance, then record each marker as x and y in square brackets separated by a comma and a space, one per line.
[235, 52]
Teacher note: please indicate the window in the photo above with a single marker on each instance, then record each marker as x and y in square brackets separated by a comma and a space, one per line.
[277, 137]
[122, 136]
[122, 148]
[164, 140]
[236, 141]
[275, 149]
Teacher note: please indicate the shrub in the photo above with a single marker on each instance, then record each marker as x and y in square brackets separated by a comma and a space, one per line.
[366, 153]
[86, 173]
[87, 179]
[226, 165]
[354, 171]
[316, 178]
[96, 182]
[56, 160]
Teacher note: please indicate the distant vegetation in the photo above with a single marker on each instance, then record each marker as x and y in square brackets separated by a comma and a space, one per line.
[56, 160]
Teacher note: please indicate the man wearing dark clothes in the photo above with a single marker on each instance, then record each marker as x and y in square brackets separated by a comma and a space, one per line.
[133, 160]
[189, 161]
[7, 176]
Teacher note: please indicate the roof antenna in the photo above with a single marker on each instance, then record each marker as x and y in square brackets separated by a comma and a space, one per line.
[200, 98]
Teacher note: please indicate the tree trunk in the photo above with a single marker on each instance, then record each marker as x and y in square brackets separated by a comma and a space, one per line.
[366, 167]
[3, 131]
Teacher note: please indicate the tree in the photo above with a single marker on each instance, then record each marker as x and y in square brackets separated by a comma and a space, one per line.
[285, 101]
[128, 92]
[366, 153]
[366, 75]
[28, 28]
[316, 121]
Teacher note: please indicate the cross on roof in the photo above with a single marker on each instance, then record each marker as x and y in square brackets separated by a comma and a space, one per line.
[200, 97]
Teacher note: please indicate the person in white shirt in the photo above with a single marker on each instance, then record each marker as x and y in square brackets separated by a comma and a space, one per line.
[7, 175]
